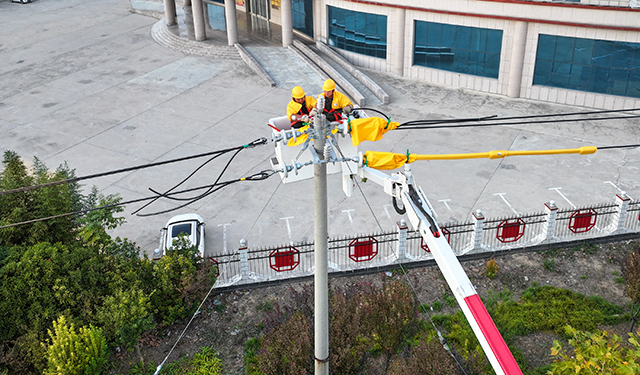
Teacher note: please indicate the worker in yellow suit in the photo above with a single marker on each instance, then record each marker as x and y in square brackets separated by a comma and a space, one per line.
[299, 107]
[334, 101]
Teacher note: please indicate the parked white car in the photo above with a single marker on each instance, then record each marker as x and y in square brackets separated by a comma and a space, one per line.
[189, 225]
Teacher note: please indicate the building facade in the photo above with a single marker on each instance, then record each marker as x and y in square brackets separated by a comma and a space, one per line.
[584, 52]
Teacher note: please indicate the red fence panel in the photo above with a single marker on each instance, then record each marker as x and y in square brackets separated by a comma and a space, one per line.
[216, 265]
[284, 259]
[510, 230]
[362, 250]
[583, 220]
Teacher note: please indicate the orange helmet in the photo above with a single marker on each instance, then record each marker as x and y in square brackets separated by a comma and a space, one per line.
[328, 85]
[297, 92]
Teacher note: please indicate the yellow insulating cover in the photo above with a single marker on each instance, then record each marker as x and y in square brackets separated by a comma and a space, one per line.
[370, 129]
[386, 160]
[303, 137]
[299, 140]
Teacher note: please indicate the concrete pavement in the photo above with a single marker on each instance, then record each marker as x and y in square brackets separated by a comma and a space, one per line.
[84, 82]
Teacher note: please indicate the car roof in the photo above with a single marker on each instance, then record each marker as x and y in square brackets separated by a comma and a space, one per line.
[185, 217]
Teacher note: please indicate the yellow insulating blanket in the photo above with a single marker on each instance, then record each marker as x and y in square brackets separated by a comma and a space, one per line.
[370, 129]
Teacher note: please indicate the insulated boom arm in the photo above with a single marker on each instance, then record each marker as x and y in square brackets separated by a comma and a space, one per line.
[422, 217]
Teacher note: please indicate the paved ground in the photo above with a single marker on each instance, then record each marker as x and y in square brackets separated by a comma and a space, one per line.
[84, 82]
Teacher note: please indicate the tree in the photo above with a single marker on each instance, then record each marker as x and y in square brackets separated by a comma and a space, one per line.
[595, 353]
[75, 353]
[33, 204]
[632, 287]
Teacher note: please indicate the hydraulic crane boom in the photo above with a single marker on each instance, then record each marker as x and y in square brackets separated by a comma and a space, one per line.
[401, 186]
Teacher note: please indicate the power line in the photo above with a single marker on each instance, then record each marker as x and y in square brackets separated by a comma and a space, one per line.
[255, 177]
[257, 142]
[463, 125]
[499, 118]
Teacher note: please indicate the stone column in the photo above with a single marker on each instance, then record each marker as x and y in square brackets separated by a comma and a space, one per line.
[244, 260]
[198, 20]
[478, 218]
[518, 46]
[401, 246]
[620, 217]
[170, 12]
[286, 14]
[232, 21]
[397, 41]
[552, 213]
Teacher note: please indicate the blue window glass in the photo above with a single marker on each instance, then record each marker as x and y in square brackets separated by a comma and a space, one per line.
[302, 14]
[215, 16]
[364, 33]
[601, 66]
[468, 50]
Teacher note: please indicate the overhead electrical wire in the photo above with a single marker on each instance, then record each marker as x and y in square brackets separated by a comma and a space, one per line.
[257, 142]
[255, 177]
[192, 199]
[480, 124]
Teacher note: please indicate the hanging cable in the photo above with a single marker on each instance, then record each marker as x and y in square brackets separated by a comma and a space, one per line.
[436, 126]
[255, 177]
[193, 199]
[373, 110]
[257, 142]
[499, 118]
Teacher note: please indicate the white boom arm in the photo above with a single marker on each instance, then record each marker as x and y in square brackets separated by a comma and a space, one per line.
[401, 186]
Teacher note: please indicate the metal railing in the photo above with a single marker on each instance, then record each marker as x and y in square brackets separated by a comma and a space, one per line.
[404, 246]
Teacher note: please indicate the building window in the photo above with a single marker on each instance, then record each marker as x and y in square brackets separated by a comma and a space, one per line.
[602, 66]
[358, 32]
[302, 12]
[461, 49]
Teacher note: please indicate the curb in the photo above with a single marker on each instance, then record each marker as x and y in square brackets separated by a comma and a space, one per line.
[364, 79]
[254, 64]
[340, 80]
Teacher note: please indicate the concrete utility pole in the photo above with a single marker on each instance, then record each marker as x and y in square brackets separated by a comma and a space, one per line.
[321, 283]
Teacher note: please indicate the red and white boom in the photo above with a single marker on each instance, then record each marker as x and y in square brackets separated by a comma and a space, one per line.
[401, 186]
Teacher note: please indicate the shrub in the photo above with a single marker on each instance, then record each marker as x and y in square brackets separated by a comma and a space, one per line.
[75, 353]
[287, 348]
[251, 364]
[491, 269]
[426, 358]
[549, 308]
[595, 353]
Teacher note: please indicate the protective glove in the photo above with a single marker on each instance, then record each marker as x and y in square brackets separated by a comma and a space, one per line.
[347, 109]
[313, 112]
[304, 118]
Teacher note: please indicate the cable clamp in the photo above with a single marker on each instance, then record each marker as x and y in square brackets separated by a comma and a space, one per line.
[257, 142]
[263, 175]
[407, 155]
[349, 123]
[321, 360]
[388, 121]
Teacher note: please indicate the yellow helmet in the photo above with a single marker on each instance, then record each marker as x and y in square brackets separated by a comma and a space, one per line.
[297, 92]
[328, 85]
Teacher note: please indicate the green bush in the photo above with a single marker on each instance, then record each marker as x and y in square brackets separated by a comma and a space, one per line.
[75, 353]
[595, 353]
[491, 269]
[428, 357]
[287, 348]
[251, 364]
[549, 309]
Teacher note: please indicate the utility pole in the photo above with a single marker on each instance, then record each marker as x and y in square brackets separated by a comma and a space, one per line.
[321, 283]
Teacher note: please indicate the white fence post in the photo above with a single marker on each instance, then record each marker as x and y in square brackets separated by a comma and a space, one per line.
[476, 244]
[401, 246]
[620, 217]
[552, 214]
[244, 261]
